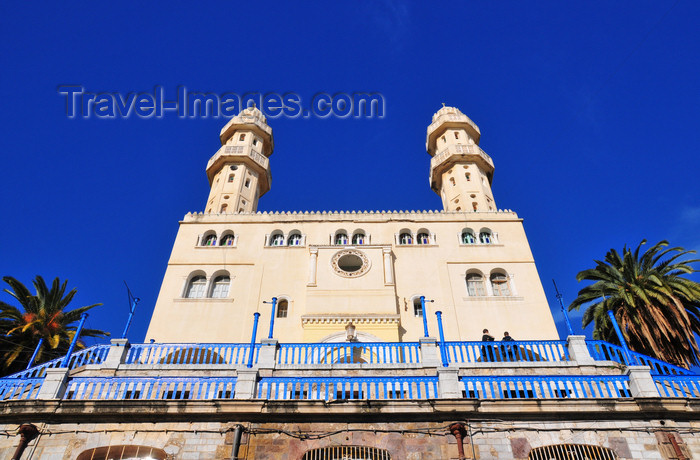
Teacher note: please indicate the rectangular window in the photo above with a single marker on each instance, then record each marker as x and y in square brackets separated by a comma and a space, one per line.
[247, 183]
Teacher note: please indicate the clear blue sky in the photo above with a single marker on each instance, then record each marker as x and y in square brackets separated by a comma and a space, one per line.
[590, 111]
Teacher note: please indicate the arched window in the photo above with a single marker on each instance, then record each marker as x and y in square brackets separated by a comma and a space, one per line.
[242, 137]
[125, 452]
[227, 240]
[347, 452]
[282, 308]
[294, 240]
[485, 237]
[423, 238]
[220, 287]
[452, 181]
[358, 238]
[475, 205]
[499, 284]
[209, 240]
[405, 238]
[195, 287]
[569, 451]
[341, 238]
[230, 177]
[277, 239]
[468, 237]
[467, 176]
[475, 284]
[417, 307]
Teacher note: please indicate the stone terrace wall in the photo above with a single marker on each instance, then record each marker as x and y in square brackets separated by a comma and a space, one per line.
[404, 441]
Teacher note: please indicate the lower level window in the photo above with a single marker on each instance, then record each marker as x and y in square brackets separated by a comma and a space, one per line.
[122, 453]
[220, 287]
[475, 284]
[569, 451]
[195, 290]
[347, 452]
[417, 307]
[282, 308]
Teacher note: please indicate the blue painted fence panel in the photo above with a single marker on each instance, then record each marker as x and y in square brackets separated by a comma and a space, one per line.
[604, 351]
[545, 387]
[20, 388]
[330, 388]
[349, 352]
[678, 386]
[188, 353]
[92, 355]
[515, 351]
[153, 388]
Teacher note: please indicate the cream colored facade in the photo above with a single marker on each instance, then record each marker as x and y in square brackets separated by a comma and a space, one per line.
[365, 268]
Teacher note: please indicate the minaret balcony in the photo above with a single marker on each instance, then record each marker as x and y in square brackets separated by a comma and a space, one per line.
[231, 150]
[458, 153]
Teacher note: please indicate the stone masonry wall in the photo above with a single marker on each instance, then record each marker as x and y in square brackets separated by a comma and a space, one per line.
[404, 441]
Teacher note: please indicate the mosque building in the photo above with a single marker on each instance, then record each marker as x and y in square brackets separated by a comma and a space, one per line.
[351, 336]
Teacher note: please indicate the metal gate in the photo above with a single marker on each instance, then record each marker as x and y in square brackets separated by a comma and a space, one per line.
[347, 453]
[571, 452]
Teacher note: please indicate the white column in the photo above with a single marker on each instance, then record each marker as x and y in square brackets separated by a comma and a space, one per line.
[55, 383]
[642, 385]
[266, 359]
[388, 268]
[448, 383]
[116, 354]
[578, 351]
[428, 352]
[513, 289]
[246, 379]
[313, 262]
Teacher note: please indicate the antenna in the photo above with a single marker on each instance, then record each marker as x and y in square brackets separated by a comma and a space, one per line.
[133, 301]
[563, 310]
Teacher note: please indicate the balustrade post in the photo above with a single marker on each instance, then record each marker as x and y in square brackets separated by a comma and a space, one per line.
[425, 316]
[116, 354]
[428, 352]
[443, 348]
[620, 337]
[55, 383]
[246, 381]
[448, 383]
[267, 357]
[642, 384]
[578, 350]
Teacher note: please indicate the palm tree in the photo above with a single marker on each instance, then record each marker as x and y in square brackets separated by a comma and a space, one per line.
[655, 306]
[44, 316]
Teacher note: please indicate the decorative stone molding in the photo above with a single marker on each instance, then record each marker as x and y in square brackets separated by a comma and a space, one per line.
[364, 268]
[344, 319]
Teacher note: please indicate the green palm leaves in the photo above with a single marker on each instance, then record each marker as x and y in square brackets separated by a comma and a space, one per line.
[41, 315]
[656, 307]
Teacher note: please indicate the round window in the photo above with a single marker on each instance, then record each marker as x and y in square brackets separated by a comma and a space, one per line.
[350, 263]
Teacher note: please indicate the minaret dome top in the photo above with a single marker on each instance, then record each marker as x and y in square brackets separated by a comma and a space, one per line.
[446, 118]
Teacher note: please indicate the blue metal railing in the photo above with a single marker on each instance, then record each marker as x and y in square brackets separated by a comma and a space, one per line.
[20, 388]
[158, 388]
[349, 352]
[516, 351]
[683, 386]
[92, 355]
[545, 387]
[604, 351]
[188, 353]
[327, 388]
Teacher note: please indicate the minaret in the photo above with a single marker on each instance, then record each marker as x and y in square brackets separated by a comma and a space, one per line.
[460, 172]
[239, 173]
